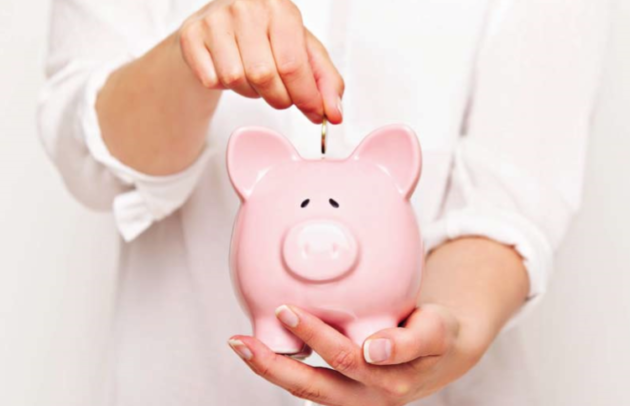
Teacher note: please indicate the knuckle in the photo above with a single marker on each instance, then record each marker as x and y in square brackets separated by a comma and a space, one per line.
[248, 92]
[439, 329]
[289, 8]
[306, 106]
[342, 85]
[317, 44]
[290, 67]
[231, 78]
[297, 14]
[472, 353]
[275, 3]
[396, 391]
[430, 362]
[264, 371]
[344, 361]
[210, 20]
[208, 81]
[239, 7]
[187, 35]
[307, 335]
[280, 103]
[260, 75]
[424, 364]
[306, 392]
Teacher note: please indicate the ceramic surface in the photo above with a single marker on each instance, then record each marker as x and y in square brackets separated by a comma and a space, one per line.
[337, 238]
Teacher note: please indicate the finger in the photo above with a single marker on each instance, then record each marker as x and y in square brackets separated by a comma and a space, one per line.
[198, 57]
[335, 348]
[329, 81]
[257, 58]
[221, 43]
[303, 354]
[287, 37]
[427, 332]
[320, 385]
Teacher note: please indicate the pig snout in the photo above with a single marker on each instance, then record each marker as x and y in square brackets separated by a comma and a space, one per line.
[320, 250]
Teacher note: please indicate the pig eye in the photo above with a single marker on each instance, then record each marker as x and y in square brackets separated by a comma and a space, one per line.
[305, 203]
[333, 203]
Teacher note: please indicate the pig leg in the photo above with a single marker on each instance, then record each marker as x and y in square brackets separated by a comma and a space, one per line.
[304, 353]
[272, 333]
[359, 330]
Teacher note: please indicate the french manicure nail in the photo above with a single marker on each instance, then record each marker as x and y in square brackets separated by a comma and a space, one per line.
[241, 349]
[377, 350]
[287, 316]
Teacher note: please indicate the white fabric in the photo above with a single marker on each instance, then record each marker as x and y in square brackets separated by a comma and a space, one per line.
[499, 92]
[151, 198]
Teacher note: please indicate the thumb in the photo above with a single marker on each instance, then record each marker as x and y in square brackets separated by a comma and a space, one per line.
[428, 331]
[329, 81]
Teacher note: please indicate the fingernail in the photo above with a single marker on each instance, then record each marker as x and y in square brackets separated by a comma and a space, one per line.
[339, 105]
[377, 350]
[241, 349]
[287, 316]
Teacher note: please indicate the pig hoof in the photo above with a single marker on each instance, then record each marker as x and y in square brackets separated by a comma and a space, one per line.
[359, 331]
[276, 337]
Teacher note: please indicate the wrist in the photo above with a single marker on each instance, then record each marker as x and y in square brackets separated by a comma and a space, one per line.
[481, 282]
[154, 114]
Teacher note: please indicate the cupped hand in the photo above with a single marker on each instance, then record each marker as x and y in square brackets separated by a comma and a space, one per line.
[394, 367]
[260, 48]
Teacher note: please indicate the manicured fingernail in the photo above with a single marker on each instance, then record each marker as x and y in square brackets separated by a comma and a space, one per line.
[241, 349]
[287, 316]
[339, 106]
[377, 350]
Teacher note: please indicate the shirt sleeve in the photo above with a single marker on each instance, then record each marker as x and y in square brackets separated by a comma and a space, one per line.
[517, 171]
[88, 40]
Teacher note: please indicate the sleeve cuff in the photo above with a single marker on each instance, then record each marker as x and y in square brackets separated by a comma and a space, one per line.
[149, 198]
[507, 228]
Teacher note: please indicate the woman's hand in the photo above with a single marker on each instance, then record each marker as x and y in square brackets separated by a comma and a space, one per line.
[154, 112]
[260, 48]
[394, 367]
[471, 288]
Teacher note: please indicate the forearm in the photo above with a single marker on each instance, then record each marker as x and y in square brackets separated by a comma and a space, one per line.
[153, 112]
[482, 282]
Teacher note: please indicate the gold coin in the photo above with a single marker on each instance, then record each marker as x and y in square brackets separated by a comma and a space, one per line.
[324, 131]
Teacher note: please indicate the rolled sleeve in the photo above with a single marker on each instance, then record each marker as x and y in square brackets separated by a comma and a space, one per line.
[88, 41]
[518, 167]
[480, 205]
[149, 198]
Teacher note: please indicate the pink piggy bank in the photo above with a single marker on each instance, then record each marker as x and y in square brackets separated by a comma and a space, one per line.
[336, 237]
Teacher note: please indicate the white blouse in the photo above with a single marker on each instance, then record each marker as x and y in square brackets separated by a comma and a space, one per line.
[499, 92]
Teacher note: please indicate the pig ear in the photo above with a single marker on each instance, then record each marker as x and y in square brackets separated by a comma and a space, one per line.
[251, 152]
[394, 149]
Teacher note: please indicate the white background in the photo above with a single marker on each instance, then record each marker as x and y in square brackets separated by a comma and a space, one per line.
[57, 259]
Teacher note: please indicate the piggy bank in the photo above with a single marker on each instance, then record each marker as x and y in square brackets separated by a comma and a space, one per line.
[336, 237]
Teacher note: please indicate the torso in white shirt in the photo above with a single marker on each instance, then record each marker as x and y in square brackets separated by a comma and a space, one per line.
[404, 61]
